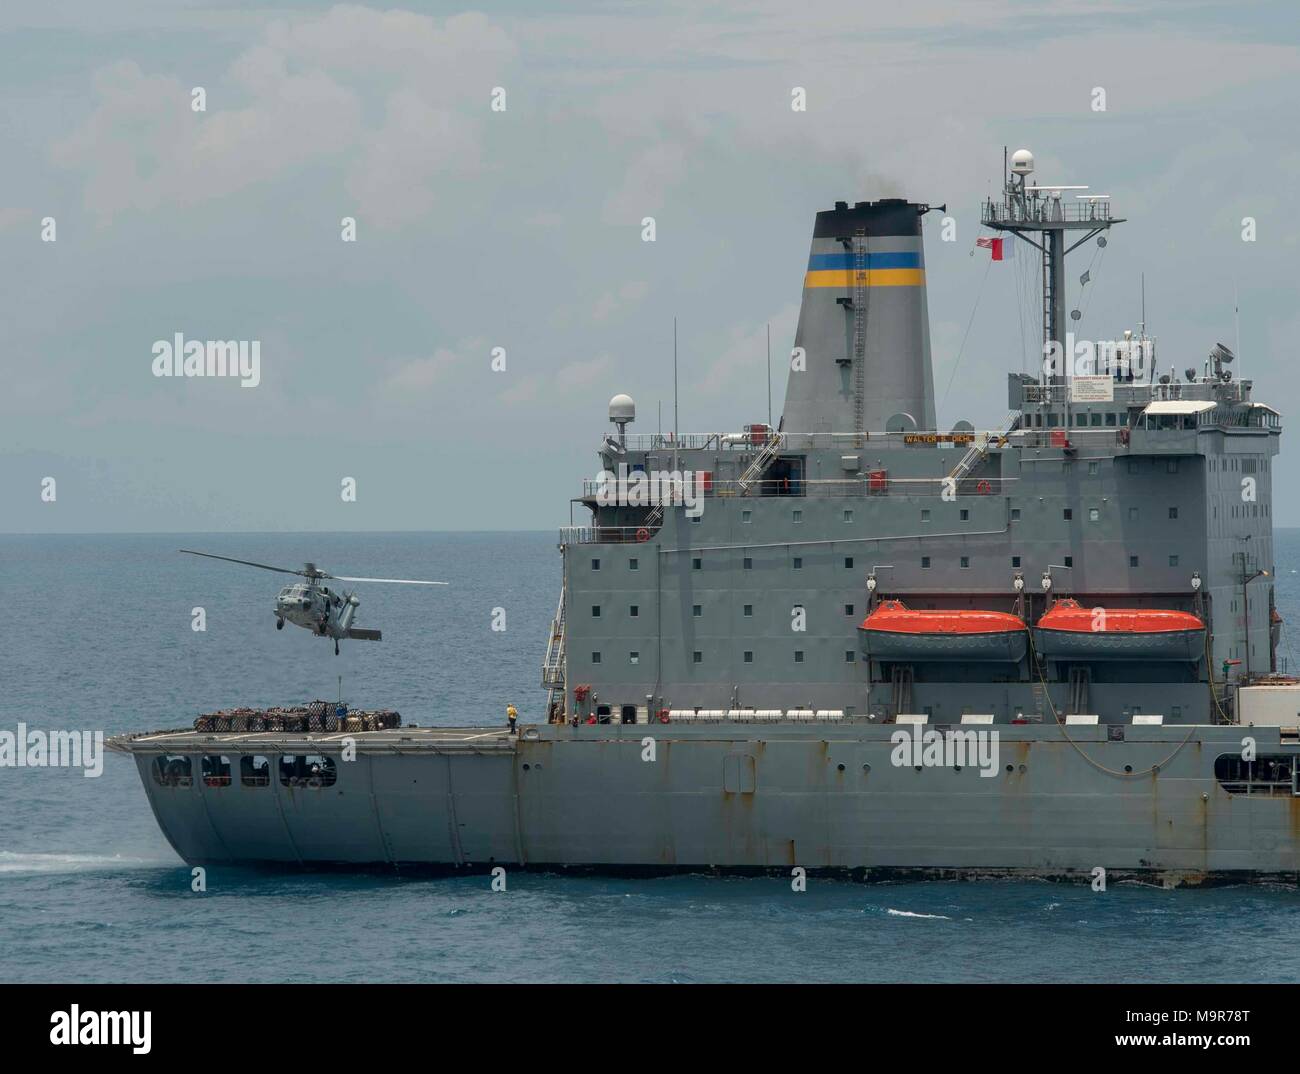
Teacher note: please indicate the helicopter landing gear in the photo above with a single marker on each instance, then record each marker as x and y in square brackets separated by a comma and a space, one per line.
[279, 624]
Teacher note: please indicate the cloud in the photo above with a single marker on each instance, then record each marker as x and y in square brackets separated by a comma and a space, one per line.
[612, 302]
[296, 97]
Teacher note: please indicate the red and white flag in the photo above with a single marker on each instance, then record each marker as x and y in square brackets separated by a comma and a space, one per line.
[1001, 249]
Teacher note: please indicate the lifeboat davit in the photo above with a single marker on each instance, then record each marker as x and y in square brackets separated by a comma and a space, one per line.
[1069, 631]
[893, 631]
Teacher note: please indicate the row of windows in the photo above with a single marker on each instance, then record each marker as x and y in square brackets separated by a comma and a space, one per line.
[1248, 464]
[303, 770]
[697, 656]
[1110, 419]
[697, 610]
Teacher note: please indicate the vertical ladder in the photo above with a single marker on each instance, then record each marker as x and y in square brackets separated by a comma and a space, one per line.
[1078, 690]
[860, 277]
[900, 681]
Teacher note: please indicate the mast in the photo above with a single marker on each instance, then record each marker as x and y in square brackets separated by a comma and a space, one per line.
[1024, 209]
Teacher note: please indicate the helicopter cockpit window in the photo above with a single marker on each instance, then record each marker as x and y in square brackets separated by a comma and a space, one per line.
[216, 771]
[171, 771]
[309, 770]
[254, 771]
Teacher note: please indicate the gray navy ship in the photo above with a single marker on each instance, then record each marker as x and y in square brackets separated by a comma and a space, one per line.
[854, 642]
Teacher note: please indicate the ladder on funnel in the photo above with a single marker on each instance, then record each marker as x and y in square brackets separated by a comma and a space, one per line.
[859, 328]
[978, 451]
[759, 464]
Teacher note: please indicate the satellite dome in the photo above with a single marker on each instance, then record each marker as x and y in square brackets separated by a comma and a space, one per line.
[622, 409]
[1022, 162]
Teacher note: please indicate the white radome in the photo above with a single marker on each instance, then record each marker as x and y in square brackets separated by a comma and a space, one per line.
[622, 408]
[1022, 162]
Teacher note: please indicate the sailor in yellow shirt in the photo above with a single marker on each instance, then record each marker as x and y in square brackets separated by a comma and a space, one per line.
[511, 716]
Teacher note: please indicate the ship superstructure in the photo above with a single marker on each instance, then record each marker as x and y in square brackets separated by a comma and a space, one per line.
[1113, 483]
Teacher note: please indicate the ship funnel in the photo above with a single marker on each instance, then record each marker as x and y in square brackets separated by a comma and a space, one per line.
[862, 346]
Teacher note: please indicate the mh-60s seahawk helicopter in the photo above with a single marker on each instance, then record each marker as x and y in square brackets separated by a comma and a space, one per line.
[316, 607]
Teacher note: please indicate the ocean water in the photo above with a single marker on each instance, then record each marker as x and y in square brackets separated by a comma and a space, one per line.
[95, 632]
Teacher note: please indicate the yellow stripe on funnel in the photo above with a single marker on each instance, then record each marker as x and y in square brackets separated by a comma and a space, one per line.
[845, 278]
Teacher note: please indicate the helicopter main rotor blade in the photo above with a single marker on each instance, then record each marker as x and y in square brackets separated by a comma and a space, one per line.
[245, 562]
[398, 581]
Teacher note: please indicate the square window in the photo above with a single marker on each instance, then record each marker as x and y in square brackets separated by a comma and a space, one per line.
[848, 514]
[749, 656]
[1015, 561]
[1094, 515]
[796, 515]
[849, 656]
[1081, 419]
[634, 658]
[1132, 561]
[595, 658]
[697, 657]
[1110, 419]
[697, 610]
[1015, 514]
[1173, 561]
[746, 516]
[1068, 514]
[1173, 512]
[925, 563]
[798, 563]
[595, 564]
[634, 611]
[965, 562]
[634, 564]
[925, 514]
[1095, 419]
[848, 563]
[965, 515]
[749, 564]
[696, 519]
[749, 611]
[595, 611]
[848, 609]
[697, 564]
[798, 656]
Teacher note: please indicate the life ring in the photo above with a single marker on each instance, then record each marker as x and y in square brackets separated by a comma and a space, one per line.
[643, 534]
[984, 488]
[663, 715]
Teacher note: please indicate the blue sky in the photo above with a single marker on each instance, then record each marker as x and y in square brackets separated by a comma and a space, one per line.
[521, 229]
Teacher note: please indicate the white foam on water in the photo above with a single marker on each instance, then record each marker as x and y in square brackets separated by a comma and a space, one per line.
[908, 913]
[11, 862]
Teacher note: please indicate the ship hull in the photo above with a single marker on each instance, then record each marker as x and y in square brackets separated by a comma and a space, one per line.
[828, 799]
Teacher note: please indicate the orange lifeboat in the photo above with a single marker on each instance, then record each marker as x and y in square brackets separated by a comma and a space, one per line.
[893, 631]
[1071, 631]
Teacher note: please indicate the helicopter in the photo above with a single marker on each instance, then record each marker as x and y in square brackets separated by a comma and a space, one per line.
[325, 612]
